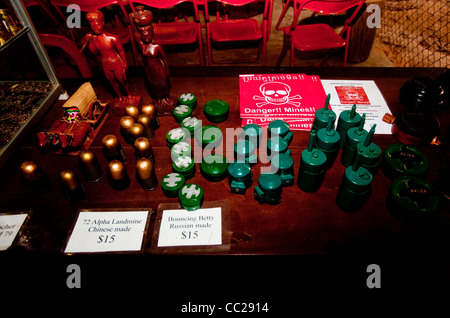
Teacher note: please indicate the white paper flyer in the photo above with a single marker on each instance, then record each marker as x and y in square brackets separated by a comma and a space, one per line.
[367, 97]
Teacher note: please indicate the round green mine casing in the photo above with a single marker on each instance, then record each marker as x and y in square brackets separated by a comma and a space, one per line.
[188, 99]
[208, 135]
[244, 150]
[214, 167]
[411, 199]
[216, 111]
[252, 133]
[171, 183]
[181, 112]
[400, 160]
[190, 196]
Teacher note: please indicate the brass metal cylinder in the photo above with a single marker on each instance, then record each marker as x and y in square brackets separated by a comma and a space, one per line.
[117, 175]
[145, 174]
[30, 171]
[132, 111]
[143, 149]
[112, 148]
[136, 131]
[90, 166]
[151, 111]
[146, 122]
[71, 186]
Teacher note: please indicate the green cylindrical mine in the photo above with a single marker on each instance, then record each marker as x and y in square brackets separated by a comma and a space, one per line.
[312, 167]
[172, 183]
[355, 187]
[269, 188]
[181, 112]
[252, 133]
[370, 153]
[321, 116]
[327, 140]
[353, 137]
[347, 119]
[283, 165]
[239, 176]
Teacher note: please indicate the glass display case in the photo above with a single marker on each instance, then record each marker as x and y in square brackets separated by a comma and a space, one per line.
[28, 82]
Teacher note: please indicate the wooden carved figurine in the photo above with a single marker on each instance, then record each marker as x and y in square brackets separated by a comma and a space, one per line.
[156, 67]
[110, 50]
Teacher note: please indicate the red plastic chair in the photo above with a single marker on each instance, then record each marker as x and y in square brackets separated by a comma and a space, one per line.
[71, 50]
[225, 29]
[319, 36]
[123, 32]
[185, 30]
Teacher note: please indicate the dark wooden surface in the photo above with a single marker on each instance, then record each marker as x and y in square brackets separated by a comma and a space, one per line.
[302, 223]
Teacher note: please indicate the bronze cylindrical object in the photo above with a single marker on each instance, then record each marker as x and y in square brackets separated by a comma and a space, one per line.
[132, 111]
[117, 175]
[112, 148]
[151, 111]
[71, 186]
[89, 166]
[143, 149]
[145, 174]
[146, 122]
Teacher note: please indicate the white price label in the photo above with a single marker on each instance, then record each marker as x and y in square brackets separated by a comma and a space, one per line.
[10, 225]
[110, 231]
[191, 228]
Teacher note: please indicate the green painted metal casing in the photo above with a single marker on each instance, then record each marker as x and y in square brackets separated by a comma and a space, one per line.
[244, 150]
[175, 136]
[276, 145]
[252, 133]
[216, 111]
[188, 99]
[411, 199]
[280, 128]
[191, 124]
[181, 148]
[328, 142]
[269, 188]
[181, 112]
[172, 183]
[283, 165]
[403, 160]
[352, 138]
[354, 190]
[321, 118]
[190, 196]
[312, 170]
[208, 135]
[345, 122]
[239, 176]
[214, 167]
[184, 165]
[370, 156]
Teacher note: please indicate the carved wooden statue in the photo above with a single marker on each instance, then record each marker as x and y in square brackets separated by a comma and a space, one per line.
[156, 67]
[110, 50]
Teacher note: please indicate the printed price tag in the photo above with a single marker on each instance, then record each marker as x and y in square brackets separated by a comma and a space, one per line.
[191, 228]
[10, 225]
[108, 231]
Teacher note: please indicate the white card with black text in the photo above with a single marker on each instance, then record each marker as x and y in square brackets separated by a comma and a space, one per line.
[191, 228]
[109, 231]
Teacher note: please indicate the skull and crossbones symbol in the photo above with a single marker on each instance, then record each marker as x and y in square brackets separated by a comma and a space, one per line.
[276, 93]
